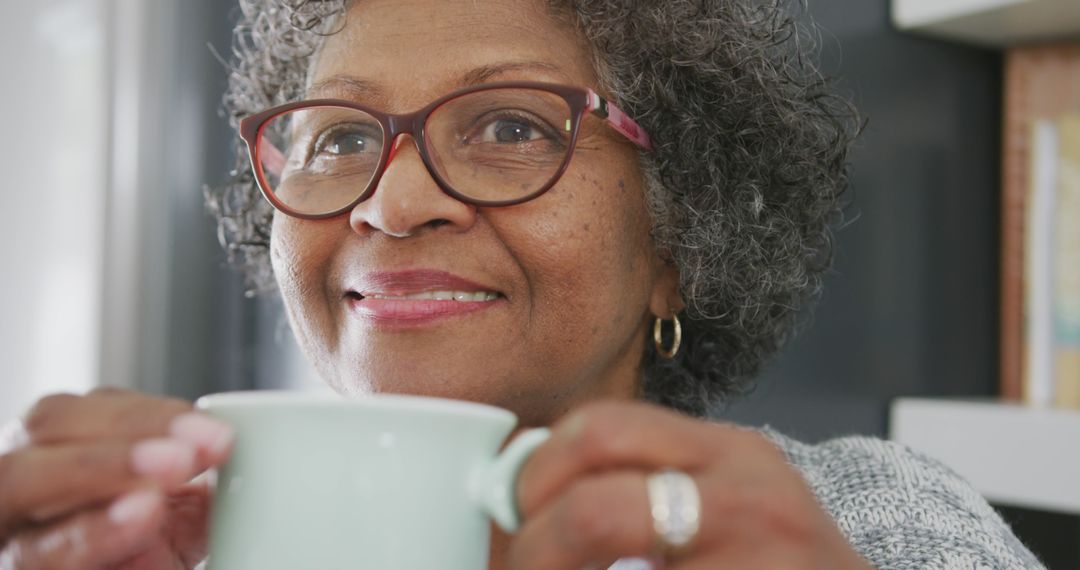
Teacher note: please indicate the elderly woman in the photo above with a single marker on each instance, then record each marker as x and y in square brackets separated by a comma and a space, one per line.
[601, 215]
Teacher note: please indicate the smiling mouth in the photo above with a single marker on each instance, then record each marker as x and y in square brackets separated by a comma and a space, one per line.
[393, 312]
[404, 300]
[456, 296]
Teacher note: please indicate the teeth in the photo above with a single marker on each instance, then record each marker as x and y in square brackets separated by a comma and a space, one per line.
[463, 296]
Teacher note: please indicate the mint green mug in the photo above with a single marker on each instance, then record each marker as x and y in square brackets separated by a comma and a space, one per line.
[381, 482]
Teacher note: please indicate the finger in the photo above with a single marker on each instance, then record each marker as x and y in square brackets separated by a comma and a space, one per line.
[599, 519]
[613, 435]
[101, 414]
[188, 522]
[110, 413]
[212, 438]
[104, 536]
[38, 484]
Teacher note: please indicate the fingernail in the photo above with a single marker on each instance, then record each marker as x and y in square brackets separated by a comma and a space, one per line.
[203, 432]
[134, 507]
[572, 426]
[162, 457]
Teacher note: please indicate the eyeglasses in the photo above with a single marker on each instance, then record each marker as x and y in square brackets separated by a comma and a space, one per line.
[496, 144]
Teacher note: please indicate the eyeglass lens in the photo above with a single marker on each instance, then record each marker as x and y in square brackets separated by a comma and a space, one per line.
[489, 146]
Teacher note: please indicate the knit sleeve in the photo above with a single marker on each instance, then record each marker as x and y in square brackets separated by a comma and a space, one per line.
[903, 510]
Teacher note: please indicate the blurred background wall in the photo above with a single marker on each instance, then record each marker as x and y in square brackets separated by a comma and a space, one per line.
[113, 273]
[54, 59]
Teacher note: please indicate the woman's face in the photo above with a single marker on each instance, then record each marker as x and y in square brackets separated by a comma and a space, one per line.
[575, 279]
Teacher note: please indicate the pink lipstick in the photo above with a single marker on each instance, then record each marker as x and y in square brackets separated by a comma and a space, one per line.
[413, 298]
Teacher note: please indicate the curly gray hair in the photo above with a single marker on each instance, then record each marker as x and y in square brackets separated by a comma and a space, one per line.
[744, 183]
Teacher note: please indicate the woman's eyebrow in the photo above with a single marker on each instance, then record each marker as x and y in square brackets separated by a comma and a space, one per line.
[366, 90]
[484, 73]
[352, 85]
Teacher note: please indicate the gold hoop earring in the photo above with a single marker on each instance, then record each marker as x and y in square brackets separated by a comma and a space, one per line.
[667, 353]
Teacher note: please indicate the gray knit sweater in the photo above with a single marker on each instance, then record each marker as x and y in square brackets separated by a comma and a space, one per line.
[900, 509]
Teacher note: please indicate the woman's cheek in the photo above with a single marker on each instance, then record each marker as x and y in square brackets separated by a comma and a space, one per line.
[287, 261]
[301, 269]
[578, 262]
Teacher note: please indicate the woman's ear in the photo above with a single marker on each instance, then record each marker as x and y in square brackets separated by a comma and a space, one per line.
[666, 299]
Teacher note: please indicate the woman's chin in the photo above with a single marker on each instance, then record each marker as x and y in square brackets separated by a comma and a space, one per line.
[476, 388]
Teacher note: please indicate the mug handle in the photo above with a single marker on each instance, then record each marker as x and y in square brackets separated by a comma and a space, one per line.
[495, 486]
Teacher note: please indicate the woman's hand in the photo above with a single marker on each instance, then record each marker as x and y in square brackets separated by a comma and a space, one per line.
[585, 503]
[105, 481]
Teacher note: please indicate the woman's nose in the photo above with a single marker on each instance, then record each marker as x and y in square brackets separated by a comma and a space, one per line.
[407, 199]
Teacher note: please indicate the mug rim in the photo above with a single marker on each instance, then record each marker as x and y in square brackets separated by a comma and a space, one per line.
[410, 402]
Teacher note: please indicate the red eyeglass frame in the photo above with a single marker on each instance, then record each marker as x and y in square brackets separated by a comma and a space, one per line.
[581, 100]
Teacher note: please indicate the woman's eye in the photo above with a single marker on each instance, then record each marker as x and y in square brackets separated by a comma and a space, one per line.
[346, 140]
[345, 143]
[510, 131]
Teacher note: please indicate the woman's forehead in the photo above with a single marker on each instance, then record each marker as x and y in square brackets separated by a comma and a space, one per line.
[394, 49]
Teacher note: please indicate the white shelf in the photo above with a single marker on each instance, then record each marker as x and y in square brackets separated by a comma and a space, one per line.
[1013, 454]
[995, 23]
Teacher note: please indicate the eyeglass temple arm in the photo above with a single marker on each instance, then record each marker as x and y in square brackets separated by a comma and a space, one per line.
[618, 120]
[273, 160]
